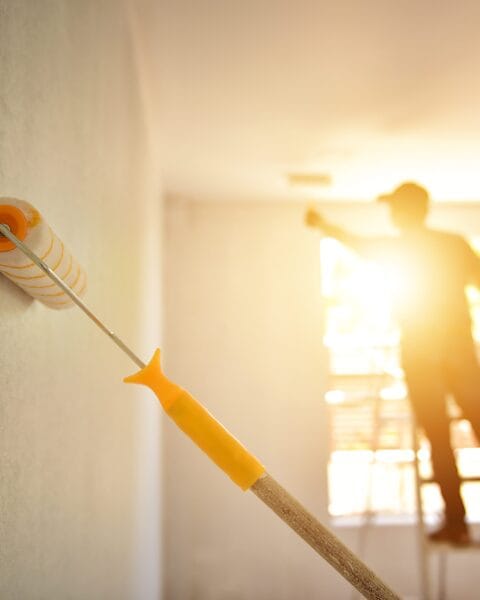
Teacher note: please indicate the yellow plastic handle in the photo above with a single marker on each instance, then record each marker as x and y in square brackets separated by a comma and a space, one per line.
[200, 426]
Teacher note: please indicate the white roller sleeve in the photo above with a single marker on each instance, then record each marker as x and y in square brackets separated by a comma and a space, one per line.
[42, 240]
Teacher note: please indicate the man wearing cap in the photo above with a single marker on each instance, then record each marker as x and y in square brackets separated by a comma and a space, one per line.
[438, 352]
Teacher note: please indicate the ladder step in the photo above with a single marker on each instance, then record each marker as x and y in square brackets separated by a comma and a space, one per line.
[470, 479]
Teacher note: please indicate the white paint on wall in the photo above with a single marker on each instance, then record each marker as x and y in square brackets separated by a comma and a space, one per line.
[79, 451]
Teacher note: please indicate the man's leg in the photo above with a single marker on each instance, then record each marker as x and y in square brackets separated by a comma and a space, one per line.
[427, 390]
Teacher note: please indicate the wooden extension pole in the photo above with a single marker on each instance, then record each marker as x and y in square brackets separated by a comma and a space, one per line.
[321, 539]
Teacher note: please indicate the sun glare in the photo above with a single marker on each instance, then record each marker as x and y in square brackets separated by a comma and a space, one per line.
[359, 297]
[367, 380]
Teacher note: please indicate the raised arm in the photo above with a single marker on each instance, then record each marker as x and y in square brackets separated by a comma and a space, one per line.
[368, 247]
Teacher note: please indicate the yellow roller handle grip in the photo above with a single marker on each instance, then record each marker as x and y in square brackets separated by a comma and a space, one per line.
[200, 426]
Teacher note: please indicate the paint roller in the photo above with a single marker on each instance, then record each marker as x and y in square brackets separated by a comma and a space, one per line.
[28, 225]
[51, 275]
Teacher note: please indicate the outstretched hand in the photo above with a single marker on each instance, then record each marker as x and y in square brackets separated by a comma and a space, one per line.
[314, 219]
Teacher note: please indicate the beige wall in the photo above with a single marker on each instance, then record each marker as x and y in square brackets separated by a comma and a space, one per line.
[243, 326]
[79, 450]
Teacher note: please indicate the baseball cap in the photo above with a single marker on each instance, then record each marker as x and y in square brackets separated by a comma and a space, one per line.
[408, 191]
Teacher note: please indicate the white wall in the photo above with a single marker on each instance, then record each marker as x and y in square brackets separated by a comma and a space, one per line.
[79, 450]
[243, 333]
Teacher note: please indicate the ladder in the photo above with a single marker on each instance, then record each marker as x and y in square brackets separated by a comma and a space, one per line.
[429, 550]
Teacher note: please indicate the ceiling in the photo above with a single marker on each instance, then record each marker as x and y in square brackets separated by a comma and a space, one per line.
[370, 93]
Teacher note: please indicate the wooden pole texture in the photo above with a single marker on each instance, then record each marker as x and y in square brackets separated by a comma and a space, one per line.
[321, 539]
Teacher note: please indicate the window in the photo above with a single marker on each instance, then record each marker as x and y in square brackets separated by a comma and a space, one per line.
[370, 424]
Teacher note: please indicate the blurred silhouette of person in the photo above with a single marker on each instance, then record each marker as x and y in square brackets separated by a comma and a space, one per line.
[437, 347]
